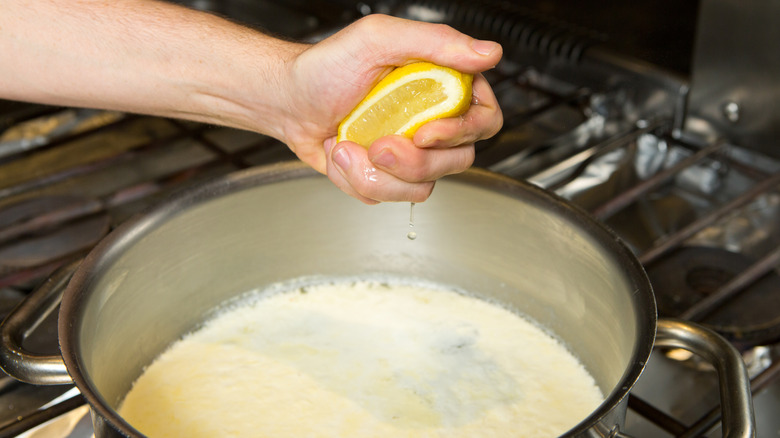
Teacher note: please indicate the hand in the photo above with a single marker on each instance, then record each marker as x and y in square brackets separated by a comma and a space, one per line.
[330, 78]
[158, 58]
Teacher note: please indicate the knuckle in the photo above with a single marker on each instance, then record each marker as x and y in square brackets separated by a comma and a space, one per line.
[405, 192]
[498, 122]
[463, 162]
[421, 191]
[418, 172]
[442, 30]
[415, 166]
[371, 21]
[373, 190]
[361, 188]
[467, 158]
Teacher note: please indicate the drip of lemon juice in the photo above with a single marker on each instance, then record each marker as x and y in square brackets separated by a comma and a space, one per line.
[411, 235]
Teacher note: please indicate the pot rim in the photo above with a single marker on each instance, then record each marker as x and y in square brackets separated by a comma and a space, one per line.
[113, 245]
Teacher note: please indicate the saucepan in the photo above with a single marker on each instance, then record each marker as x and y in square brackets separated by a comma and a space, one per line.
[160, 274]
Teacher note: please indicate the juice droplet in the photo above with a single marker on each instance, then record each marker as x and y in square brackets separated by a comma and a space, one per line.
[411, 235]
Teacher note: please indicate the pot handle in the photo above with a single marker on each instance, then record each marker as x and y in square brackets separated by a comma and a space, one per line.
[735, 394]
[15, 360]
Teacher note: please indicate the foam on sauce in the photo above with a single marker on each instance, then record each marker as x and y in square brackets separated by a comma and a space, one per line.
[363, 359]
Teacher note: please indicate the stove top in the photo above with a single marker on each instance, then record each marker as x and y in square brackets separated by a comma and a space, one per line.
[602, 130]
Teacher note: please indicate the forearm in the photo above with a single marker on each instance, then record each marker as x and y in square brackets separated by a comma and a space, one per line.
[143, 56]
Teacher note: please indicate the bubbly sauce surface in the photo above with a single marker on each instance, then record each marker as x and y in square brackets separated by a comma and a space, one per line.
[363, 359]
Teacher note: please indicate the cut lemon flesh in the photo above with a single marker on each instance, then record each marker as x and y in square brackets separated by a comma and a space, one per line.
[406, 99]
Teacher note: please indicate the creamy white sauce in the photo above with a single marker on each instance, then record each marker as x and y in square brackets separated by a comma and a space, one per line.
[363, 359]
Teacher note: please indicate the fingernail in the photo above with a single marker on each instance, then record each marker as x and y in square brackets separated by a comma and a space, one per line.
[341, 158]
[385, 159]
[484, 47]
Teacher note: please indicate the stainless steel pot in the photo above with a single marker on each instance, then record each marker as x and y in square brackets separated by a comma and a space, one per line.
[161, 274]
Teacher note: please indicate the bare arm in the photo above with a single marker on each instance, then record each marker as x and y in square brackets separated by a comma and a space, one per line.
[140, 56]
[151, 57]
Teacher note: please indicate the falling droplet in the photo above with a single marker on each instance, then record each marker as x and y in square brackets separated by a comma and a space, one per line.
[411, 235]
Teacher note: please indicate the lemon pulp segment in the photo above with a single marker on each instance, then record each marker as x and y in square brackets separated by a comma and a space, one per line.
[404, 100]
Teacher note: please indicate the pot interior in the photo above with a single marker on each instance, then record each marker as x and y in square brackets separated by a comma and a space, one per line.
[160, 276]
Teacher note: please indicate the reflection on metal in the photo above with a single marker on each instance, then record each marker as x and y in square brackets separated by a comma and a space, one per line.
[67, 419]
[736, 403]
[675, 240]
[734, 84]
[43, 130]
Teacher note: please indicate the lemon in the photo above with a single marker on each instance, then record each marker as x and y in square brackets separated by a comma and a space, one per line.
[404, 100]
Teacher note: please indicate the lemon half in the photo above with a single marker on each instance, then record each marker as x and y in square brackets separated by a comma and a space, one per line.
[404, 100]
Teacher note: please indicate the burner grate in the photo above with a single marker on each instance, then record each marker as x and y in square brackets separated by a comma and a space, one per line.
[741, 279]
[58, 190]
[714, 163]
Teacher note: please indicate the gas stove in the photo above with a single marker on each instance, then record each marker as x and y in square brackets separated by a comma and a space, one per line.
[626, 128]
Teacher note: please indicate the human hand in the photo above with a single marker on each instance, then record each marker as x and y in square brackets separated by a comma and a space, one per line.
[330, 78]
[146, 63]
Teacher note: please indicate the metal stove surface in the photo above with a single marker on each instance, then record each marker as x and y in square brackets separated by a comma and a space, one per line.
[674, 393]
[611, 145]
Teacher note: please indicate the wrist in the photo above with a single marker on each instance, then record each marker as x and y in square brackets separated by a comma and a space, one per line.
[252, 88]
[243, 81]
